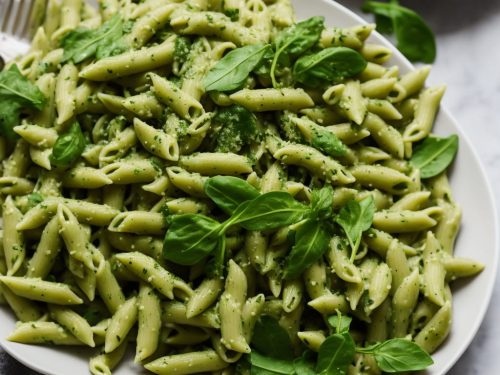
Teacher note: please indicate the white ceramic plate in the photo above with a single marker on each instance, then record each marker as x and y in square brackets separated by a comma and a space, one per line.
[478, 239]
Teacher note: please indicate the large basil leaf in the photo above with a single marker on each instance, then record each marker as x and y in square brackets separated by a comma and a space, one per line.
[269, 211]
[414, 37]
[328, 65]
[232, 70]
[434, 155]
[398, 355]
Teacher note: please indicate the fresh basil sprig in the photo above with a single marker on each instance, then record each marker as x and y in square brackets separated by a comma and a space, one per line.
[68, 147]
[81, 43]
[434, 155]
[335, 354]
[414, 37]
[232, 70]
[192, 237]
[16, 94]
[328, 65]
[295, 41]
[355, 218]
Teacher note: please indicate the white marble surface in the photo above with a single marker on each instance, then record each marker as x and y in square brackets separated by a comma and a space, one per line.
[469, 63]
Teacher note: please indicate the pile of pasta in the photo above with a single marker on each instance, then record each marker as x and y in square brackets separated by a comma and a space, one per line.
[82, 249]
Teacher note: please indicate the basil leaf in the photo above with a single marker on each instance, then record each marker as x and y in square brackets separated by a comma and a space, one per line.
[294, 41]
[269, 211]
[262, 365]
[81, 43]
[268, 330]
[354, 218]
[229, 192]
[329, 65]
[384, 24]
[16, 94]
[335, 354]
[232, 70]
[327, 142]
[68, 147]
[239, 128]
[434, 155]
[322, 203]
[305, 364]
[414, 38]
[311, 242]
[190, 238]
[396, 355]
[340, 323]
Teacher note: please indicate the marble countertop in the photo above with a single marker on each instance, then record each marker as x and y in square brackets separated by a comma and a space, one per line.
[469, 63]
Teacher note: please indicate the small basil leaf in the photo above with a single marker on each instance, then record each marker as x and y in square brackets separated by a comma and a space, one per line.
[434, 155]
[340, 323]
[267, 330]
[239, 128]
[81, 43]
[329, 65]
[355, 218]
[232, 70]
[190, 238]
[16, 93]
[294, 41]
[269, 211]
[414, 37]
[229, 192]
[311, 243]
[262, 365]
[68, 147]
[336, 353]
[396, 355]
[322, 203]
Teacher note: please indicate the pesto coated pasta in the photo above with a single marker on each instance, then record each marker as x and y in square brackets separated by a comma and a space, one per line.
[198, 178]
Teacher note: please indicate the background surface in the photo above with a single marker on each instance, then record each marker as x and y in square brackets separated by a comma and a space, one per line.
[469, 63]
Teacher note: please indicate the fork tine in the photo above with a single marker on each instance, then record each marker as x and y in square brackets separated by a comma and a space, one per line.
[6, 9]
[24, 18]
[11, 22]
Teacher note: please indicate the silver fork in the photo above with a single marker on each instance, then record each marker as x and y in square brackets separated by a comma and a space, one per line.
[16, 24]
